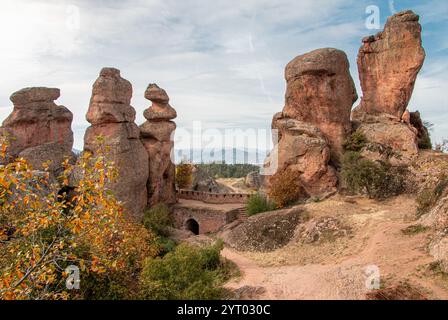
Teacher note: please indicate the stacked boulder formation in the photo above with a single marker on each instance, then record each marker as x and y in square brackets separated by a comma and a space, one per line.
[156, 135]
[303, 148]
[315, 120]
[388, 65]
[320, 91]
[112, 117]
[39, 130]
[317, 115]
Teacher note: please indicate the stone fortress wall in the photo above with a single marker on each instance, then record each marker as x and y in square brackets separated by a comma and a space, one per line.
[210, 197]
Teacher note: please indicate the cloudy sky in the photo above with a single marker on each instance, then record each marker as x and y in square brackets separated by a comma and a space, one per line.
[221, 61]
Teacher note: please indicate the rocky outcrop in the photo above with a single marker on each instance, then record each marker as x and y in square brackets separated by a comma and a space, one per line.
[202, 181]
[314, 122]
[303, 148]
[437, 219]
[253, 180]
[265, 231]
[423, 138]
[320, 91]
[157, 137]
[112, 117]
[388, 65]
[321, 229]
[388, 140]
[38, 129]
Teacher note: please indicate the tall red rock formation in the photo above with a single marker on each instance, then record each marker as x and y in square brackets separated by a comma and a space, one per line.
[388, 65]
[320, 91]
[38, 129]
[157, 137]
[315, 120]
[112, 117]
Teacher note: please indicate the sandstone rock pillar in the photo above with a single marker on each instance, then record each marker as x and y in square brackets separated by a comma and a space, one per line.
[320, 91]
[38, 129]
[112, 117]
[388, 64]
[157, 137]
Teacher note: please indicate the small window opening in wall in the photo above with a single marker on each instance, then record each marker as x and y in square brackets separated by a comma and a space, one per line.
[192, 225]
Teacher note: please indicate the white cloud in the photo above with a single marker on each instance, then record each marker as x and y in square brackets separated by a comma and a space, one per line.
[221, 62]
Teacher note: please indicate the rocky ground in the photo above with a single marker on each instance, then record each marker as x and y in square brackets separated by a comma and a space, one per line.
[353, 238]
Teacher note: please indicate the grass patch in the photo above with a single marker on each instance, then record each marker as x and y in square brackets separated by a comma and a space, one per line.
[414, 229]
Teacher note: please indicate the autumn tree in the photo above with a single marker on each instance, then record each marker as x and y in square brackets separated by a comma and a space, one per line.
[285, 187]
[43, 230]
[184, 175]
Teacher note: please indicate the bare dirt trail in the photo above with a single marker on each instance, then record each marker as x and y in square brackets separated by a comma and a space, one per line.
[342, 269]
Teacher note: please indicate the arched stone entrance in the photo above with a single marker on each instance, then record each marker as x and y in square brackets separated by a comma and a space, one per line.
[192, 225]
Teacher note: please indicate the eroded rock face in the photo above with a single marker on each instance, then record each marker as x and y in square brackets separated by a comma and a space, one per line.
[112, 117]
[321, 229]
[388, 139]
[265, 231]
[437, 219]
[320, 91]
[253, 180]
[157, 137]
[38, 129]
[388, 65]
[303, 148]
[202, 181]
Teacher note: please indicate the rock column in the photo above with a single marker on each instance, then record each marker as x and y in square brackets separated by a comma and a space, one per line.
[38, 129]
[112, 117]
[157, 137]
[388, 64]
[320, 91]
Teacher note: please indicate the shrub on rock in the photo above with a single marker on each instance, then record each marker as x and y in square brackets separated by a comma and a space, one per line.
[379, 180]
[286, 188]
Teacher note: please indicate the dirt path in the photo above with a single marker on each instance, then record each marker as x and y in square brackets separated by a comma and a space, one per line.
[378, 247]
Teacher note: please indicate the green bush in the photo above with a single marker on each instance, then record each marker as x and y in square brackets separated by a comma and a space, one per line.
[165, 245]
[114, 286]
[258, 203]
[210, 256]
[158, 219]
[355, 142]
[187, 273]
[379, 180]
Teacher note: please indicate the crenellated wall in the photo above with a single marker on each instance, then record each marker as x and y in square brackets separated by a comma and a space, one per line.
[209, 197]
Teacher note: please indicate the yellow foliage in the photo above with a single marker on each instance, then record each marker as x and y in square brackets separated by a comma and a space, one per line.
[184, 175]
[41, 233]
